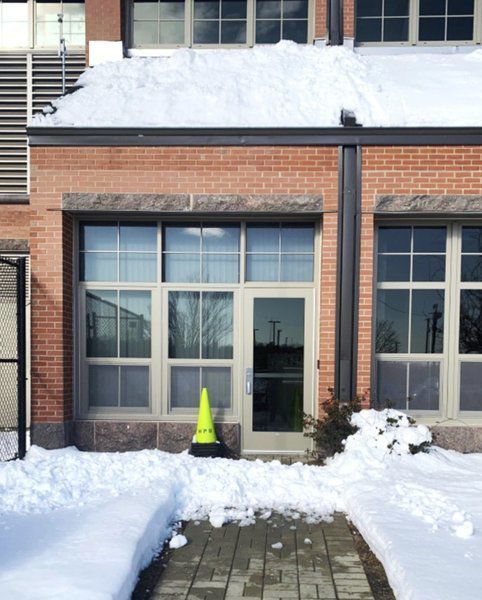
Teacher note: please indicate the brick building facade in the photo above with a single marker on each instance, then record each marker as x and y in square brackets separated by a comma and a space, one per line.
[418, 205]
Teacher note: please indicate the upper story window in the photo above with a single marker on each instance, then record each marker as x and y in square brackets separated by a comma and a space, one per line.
[418, 21]
[35, 23]
[219, 22]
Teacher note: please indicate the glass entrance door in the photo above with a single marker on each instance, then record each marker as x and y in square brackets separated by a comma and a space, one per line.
[278, 369]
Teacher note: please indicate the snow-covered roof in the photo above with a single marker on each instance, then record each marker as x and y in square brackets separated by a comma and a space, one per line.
[286, 85]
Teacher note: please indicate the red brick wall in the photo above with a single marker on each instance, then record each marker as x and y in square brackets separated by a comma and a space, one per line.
[14, 221]
[320, 18]
[282, 170]
[349, 18]
[405, 170]
[102, 20]
[429, 170]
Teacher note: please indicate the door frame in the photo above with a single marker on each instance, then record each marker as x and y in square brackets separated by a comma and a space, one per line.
[278, 442]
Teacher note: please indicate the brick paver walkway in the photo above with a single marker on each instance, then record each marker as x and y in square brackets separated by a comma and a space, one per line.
[235, 562]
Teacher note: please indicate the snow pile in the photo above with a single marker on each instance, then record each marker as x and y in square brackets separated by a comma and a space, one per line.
[177, 541]
[284, 85]
[92, 521]
[385, 432]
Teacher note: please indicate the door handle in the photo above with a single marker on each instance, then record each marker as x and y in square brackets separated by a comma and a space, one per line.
[249, 382]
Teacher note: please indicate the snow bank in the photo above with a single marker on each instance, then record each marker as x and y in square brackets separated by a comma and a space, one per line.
[91, 521]
[285, 85]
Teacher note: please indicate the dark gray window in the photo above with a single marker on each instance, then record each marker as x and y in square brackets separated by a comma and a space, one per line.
[382, 20]
[281, 20]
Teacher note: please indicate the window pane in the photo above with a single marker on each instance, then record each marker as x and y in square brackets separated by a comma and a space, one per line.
[470, 334]
[14, 24]
[427, 321]
[432, 7]
[98, 266]
[393, 267]
[460, 7]
[268, 32]
[184, 324]
[134, 386]
[101, 323]
[138, 267]
[206, 9]
[182, 268]
[185, 387]
[392, 321]
[472, 239]
[98, 236]
[295, 9]
[146, 10]
[182, 238]
[268, 9]
[206, 32]
[217, 380]
[171, 32]
[394, 239]
[138, 237]
[460, 29]
[171, 9]
[47, 11]
[145, 33]
[392, 384]
[47, 33]
[262, 267]
[135, 324]
[396, 8]
[471, 268]
[103, 385]
[296, 267]
[428, 268]
[369, 30]
[217, 334]
[424, 384]
[262, 238]
[429, 239]
[233, 32]
[224, 238]
[297, 238]
[296, 31]
[218, 268]
[395, 30]
[470, 388]
[234, 9]
[431, 29]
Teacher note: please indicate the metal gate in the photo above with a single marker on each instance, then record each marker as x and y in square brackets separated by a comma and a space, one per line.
[13, 413]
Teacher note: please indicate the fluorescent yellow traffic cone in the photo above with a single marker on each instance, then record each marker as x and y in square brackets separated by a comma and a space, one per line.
[205, 432]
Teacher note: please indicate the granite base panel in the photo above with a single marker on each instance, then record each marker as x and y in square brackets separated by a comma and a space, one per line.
[115, 436]
[462, 439]
[52, 435]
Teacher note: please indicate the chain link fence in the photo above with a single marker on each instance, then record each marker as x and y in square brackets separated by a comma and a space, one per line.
[12, 358]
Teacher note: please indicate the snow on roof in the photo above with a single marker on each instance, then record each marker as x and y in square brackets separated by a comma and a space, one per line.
[285, 85]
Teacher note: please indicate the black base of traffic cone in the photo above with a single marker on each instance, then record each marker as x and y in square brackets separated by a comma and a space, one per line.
[205, 450]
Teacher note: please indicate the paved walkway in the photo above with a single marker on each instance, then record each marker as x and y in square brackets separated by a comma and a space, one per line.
[239, 563]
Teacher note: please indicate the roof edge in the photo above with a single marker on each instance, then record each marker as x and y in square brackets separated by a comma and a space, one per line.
[245, 136]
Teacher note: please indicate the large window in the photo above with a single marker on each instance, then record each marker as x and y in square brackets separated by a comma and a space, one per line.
[159, 308]
[35, 23]
[418, 21]
[219, 22]
[409, 336]
[428, 331]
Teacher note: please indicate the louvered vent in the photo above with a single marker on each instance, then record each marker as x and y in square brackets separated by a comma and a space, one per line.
[47, 77]
[28, 82]
[13, 118]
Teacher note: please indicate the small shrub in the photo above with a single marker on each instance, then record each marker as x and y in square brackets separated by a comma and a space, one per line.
[332, 428]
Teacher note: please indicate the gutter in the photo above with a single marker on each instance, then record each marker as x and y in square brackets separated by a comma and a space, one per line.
[246, 136]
